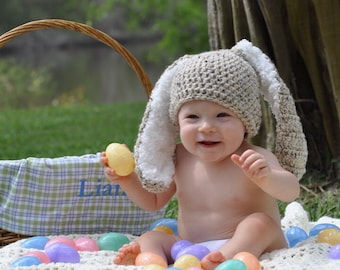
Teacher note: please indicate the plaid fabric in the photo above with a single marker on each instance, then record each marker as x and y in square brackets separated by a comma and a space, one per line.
[67, 195]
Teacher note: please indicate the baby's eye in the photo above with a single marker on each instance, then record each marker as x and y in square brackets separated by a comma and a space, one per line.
[223, 114]
[192, 116]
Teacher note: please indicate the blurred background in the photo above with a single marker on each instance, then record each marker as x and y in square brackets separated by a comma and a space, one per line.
[58, 67]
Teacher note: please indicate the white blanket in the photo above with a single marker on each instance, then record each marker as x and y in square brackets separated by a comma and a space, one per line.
[308, 255]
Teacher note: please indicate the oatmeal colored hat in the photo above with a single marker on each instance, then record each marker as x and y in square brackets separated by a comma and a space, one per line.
[233, 78]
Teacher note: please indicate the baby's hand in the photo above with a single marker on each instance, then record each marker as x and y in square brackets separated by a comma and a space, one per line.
[110, 173]
[253, 165]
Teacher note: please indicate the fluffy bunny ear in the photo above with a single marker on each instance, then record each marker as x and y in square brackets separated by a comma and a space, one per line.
[156, 142]
[290, 144]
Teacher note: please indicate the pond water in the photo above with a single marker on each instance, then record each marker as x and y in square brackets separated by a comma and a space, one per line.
[94, 74]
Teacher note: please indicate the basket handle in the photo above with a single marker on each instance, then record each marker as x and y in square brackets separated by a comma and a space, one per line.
[87, 30]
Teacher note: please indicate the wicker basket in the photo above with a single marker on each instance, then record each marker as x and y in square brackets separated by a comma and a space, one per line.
[7, 237]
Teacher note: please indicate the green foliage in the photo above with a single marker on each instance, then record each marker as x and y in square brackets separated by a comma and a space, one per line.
[21, 86]
[181, 24]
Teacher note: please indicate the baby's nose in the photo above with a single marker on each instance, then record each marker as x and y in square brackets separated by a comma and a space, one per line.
[207, 126]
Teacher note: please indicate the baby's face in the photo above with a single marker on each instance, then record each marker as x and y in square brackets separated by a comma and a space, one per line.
[209, 129]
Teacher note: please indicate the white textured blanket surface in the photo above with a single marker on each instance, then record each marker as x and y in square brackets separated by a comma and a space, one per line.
[307, 255]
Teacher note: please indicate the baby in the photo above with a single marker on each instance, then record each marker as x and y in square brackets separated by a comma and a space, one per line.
[227, 188]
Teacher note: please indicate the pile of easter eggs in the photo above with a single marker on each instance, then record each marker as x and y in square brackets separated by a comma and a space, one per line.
[188, 256]
[324, 233]
[65, 250]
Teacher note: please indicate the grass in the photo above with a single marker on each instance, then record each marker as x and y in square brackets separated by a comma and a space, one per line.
[83, 129]
[70, 130]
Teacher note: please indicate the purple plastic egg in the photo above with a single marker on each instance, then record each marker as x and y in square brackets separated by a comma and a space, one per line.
[334, 253]
[60, 252]
[199, 251]
[178, 246]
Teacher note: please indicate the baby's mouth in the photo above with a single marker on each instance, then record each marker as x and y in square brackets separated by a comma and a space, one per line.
[208, 142]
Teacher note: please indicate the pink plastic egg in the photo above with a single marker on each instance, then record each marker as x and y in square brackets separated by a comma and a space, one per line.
[60, 252]
[40, 255]
[61, 240]
[86, 244]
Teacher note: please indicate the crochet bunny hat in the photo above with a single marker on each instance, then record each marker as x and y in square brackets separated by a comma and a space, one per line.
[235, 79]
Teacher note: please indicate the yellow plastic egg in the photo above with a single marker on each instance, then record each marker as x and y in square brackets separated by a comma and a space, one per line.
[187, 261]
[330, 236]
[147, 258]
[153, 267]
[120, 159]
[163, 229]
[250, 260]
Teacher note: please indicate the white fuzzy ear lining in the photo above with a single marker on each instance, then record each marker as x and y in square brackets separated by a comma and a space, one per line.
[290, 143]
[156, 142]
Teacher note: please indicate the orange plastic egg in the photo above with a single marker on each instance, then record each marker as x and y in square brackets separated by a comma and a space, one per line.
[163, 229]
[330, 236]
[250, 260]
[147, 258]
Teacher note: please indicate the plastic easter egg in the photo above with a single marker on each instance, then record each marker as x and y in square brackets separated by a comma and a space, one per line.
[36, 242]
[26, 261]
[250, 260]
[334, 253]
[178, 246]
[199, 251]
[153, 267]
[295, 235]
[173, 268]
[163, 229]
[194, 268]
[120, 159]
[330, 236]
[187, 261]
[232, 265]
[60, 252]
[61, 240]
[320, 227]
[169, 222]
[40, 255]
[112, 241]
[147, 258]
[86, 244]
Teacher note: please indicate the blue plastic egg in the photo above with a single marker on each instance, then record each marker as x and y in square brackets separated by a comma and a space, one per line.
[320, 227]
[232, 265]
[334, 253]
[112, 241]
[36, 242]
[26, 261]
[63, 253]
[295, 235]
[169, 222]
[199, 251]
[178, 246]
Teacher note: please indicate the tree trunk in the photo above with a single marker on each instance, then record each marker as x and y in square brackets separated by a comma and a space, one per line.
[302, 38]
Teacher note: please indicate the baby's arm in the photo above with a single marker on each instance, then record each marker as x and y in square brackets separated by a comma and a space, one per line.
[135, 191]
[263, 169]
